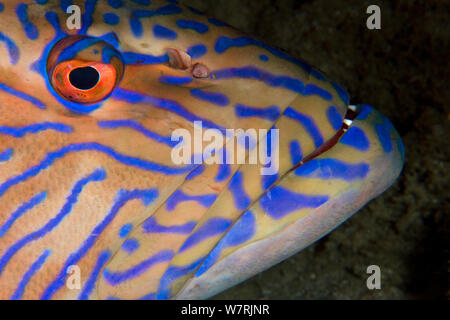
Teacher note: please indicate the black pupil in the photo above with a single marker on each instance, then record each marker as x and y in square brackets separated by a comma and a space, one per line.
[84, 78]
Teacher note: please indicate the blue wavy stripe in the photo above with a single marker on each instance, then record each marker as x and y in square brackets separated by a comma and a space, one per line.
[224, 43]
[137, 15]
[137, 58]
[22, 95]
[279, 202]
[113, 124]
[24, 208]
[334, 117]
[172, 80]
[97, 175]
[172, 273]
[6, 155]
[241, 199]
[89, 8]
[166, 104]
[356, 138]
[123, 197]
[270, 113]
[333, 169]
[206, 200]
[93, 146]
[114, 278]
[35, 128]
[308, 123]
[152, 226]
[193, 25]
[210, 228]
[197, 51]
[251, 72]
[30, 29]
[296, 152]
[90, 282]
[217, 98]
[13, 50]
[29, 274]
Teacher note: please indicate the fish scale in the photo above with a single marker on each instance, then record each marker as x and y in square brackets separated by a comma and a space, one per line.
[94, 185]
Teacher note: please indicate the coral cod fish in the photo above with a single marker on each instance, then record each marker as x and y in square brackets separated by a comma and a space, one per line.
[91, 204]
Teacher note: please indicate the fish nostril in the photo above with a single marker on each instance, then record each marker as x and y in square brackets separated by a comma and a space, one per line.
[84, 78]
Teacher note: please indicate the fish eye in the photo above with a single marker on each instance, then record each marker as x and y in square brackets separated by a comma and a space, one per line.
[83, 69]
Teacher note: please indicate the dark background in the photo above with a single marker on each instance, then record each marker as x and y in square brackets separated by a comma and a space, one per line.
[403, 70]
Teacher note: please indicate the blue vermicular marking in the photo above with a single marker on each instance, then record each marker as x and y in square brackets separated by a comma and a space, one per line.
[152, 226]
[137, 58]
[89, 285]
[223, 173]
[263, 57]
[274, 80]
[111, 18]
[179, 196]
[22, 95]
[211, 228]
[334, 117]
[217, 23]
[131, 124]
[296, 152]
[30, 29]
[166, 104]
[217, 98]
[18, 293]
[333, 169]
[269, 179]
[312, 89]
[13, 50]
[197, 51]
[51, 157]
[236, 187]
[136, 15]
[114, 278]
[224, 43]
[123, 197]
[161, 32]
[279, 202]
[193, 25]
[172, 273]
[1, 7]
[24, 208]
[64, 4]
[130, 245]
[72, 199]
[196, 172]
[308, 123]
[242, 231]
[6, 155]
[356, 138]
[173, 80]
[364, 111]
[116, 4]
[34, 128]
[251, 72]
[89, 8]
[125, 230]
[270, 113]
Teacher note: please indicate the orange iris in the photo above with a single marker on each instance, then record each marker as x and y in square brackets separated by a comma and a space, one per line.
[84, 82]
